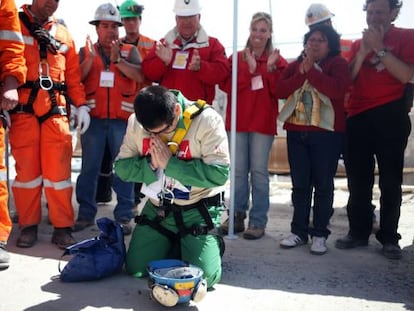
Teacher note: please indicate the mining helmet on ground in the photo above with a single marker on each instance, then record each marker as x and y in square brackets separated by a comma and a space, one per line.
[187, 7]
[174, 282]
[317, 13]
[106, 12]
[130, 8]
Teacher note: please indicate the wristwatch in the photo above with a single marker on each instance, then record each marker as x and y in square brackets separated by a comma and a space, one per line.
[381, 53]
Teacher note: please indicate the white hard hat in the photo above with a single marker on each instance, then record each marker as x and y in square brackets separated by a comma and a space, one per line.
[317, 13]
[187, 7]
[106, 12]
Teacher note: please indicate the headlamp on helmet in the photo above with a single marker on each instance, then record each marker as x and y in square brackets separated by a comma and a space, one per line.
[130, 8]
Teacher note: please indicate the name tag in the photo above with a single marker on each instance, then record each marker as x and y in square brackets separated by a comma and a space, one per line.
[180, 60]
[107, 79]
[257, 83]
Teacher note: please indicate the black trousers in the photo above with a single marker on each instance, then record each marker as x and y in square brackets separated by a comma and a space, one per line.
[104, 188]
[379, 134]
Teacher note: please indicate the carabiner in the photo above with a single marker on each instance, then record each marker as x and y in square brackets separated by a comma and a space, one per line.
[45, 81]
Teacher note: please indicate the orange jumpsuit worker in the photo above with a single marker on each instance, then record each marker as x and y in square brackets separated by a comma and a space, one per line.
[12, 74]
[40, 138]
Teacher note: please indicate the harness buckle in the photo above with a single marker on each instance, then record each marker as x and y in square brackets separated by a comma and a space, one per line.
[45, 82]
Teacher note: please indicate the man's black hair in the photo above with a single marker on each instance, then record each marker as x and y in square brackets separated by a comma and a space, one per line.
[155, 106]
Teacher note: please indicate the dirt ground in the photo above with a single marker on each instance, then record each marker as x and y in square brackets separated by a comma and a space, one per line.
[257, 275]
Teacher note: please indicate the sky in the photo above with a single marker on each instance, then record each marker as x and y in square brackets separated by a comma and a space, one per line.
[217, 18]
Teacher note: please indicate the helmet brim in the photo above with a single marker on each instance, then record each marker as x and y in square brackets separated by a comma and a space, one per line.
[96, 22]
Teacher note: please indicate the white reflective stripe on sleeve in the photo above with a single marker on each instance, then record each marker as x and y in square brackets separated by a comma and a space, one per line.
[60, 185]
[3, 175]
[11, 35]
[28, 40]
[125, 106]
[64, 48]
[29, 184]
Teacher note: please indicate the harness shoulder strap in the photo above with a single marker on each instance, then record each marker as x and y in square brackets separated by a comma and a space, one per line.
[188, 115]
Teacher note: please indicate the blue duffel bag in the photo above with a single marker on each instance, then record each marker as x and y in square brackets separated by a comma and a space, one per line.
[98, 257]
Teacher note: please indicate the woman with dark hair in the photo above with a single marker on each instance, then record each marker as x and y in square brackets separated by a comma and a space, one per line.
[315, 86]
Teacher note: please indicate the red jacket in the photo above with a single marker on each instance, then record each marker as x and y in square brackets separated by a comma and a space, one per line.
[193, 84]
[333, 81]
[374, 85]
[257, 110]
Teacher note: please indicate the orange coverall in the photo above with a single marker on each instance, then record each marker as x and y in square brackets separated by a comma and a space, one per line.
[12, 63]
[43, 149]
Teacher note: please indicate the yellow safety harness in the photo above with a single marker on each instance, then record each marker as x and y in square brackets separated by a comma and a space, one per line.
[188, 115]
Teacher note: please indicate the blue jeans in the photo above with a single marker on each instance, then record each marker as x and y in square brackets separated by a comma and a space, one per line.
[313, 160]
[99, 133]
[252, 160]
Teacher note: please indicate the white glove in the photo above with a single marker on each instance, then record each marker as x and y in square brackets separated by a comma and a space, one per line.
[83, 119]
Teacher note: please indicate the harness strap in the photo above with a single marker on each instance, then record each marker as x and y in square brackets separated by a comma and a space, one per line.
[155, 224]
[188, 115]
[177, 210]
[35, 87]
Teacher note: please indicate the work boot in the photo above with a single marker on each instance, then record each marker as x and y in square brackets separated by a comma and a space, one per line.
[391, 251]
[62, 237]
[349, 241]
[238, 224]
[253, 233]
[28, 237]
[4, 256]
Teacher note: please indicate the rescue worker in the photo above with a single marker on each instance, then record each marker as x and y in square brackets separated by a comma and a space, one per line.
[179, 150]
[12, 74]
[317, 14]
[187, 59]
[40, 138]
[131, 16]
[110, 73]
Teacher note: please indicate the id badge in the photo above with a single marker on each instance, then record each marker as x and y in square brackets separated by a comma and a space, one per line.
[107, 79]
[257, 83]
[180, 60]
